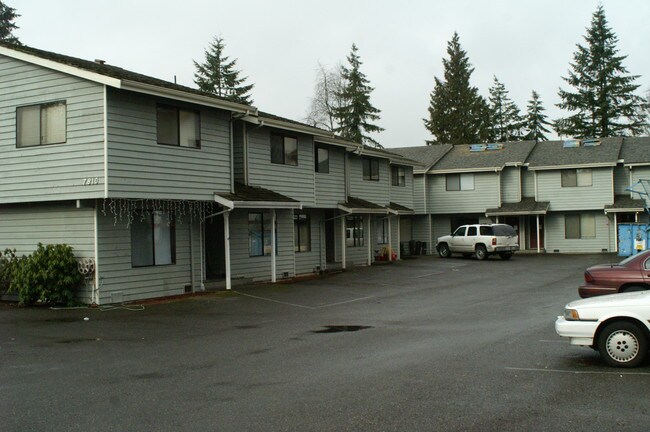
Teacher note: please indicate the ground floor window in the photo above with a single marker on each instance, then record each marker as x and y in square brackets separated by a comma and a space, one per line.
[259, 234]
[301, 233]
[579, 226]
[382, 232]
[354, 231]
[153, 239]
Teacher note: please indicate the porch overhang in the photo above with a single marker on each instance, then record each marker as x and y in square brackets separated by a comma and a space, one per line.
[399, 209]
[358, 206]
[525, 207]
[625, 204]
[251, 197]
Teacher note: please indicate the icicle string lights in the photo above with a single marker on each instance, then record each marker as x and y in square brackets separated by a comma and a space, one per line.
[123, 209]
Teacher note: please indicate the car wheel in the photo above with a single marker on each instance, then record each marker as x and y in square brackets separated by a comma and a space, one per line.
[481, 252]
[505, 255]
[623, 344]
[443, 250]
[633, 288]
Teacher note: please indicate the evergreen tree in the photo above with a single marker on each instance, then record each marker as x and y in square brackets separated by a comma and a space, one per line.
[219, 76]
[505, 121]
[603, 103]
[355, 113]
[457, 113]
[536, 121]
[7, 26]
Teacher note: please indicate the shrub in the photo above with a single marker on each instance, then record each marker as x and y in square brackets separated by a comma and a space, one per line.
[49, 274]
[8, 264]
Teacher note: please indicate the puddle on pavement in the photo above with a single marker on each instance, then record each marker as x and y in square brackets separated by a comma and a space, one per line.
[341, 328]
[77, 340]
[63, 320]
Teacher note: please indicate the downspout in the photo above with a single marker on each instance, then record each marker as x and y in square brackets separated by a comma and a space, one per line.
[245, 151]
[232, 155]
[273, 241]
[399, 245]
[343, 245]
[191, 255]
[95, 295]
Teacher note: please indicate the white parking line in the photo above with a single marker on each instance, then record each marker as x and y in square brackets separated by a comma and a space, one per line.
[576, 372]
[553, 341]
[303, 306]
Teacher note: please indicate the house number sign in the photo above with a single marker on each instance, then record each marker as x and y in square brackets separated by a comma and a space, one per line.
[89, 181]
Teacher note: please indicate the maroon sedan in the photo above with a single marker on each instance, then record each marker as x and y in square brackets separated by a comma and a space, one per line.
[631, 274]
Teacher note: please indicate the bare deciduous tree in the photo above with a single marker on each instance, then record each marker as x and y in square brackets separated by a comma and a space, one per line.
[329, 84]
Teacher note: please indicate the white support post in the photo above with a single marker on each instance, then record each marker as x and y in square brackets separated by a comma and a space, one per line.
[273, 240]
[343, 246]
[368, 239]
[399, 245]
[390, 241]
[226, 246]
[538, 248]
[615, 232]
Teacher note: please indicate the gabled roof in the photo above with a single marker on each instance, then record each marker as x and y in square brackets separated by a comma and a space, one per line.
[553, 154]
[117, 77]
[461, 159]
[427, 155]
[635, 151]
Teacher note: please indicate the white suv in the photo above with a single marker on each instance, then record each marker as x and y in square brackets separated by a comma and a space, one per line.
[480, 239]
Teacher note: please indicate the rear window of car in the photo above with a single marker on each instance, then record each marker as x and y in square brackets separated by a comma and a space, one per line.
[504, 230]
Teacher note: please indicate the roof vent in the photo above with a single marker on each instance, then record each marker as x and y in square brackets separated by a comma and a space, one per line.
[591, 142]
[572, 143]
[495, 146]
[100, 61]
[477, 147]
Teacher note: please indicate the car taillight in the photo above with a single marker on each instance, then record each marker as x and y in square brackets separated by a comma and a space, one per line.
[588, 277]
[494, 241]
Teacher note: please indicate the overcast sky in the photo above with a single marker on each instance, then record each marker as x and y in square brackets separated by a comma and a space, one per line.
[279, 43]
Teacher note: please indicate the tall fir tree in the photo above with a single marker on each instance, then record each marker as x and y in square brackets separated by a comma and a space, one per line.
[355, 114]
[603, 102]
[7, 25]
[536, 122]
[218, 75]
[457, 113]
[505, 120]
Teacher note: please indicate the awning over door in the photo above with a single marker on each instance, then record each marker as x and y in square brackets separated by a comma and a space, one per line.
[358, 206]
[255, 197]
[625, 204]
[527, 206]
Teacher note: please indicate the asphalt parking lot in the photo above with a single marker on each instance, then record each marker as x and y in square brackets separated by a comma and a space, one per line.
[424, 344]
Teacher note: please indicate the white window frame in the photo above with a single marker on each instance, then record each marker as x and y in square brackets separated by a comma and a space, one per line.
[50, 122]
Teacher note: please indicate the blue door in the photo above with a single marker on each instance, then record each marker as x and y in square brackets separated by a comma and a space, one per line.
[624, 239]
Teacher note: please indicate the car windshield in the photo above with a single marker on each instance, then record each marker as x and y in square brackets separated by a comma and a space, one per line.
[504, 230]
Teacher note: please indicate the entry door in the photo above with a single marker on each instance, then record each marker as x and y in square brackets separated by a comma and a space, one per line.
[532, 232]
[215, 257]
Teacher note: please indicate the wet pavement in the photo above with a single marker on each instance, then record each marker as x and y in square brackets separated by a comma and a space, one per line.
[424, 344]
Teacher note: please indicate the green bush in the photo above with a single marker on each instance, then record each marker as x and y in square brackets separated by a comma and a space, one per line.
[49, 274]
[8, 264]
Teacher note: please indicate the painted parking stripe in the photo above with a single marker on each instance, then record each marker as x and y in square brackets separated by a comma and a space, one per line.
[303, 306]
[575, 372]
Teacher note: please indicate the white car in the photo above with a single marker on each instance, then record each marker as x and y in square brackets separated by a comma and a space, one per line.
[616, 325]
[481, 240]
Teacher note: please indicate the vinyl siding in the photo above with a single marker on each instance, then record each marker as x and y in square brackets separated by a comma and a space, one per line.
[528, 183]
[555, 233]
[294, 181]
[56, 171]
[330, 188]
[621, 180]
[403, 195]
[306, 262]
[238, 151]
[510, 187]
[639, 173]
[373, 191]
[139, 167]
[418, 193]
[354, 256]
[484, 195]
[441, 227]
[244, 266]
[596, 196]
[22, 227]
[121, 282]
[420, 230]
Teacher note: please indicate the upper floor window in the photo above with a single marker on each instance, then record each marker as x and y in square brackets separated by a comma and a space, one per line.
[370, 169]
[284, 150]
[576, 177]
[398, 176]
[322, 161]
[178, 127]
[153, 239]
[41, 124]
[460, 182]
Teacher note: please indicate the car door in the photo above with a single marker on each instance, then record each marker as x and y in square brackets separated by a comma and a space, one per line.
[470, 239]
[457, 239]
